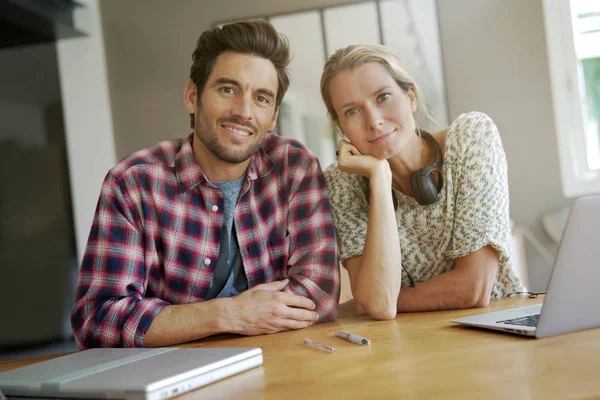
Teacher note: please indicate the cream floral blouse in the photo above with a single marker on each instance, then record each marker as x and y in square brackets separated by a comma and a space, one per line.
[472, 212]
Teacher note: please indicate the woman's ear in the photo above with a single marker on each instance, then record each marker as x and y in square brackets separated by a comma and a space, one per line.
[339, 131]
[413, 98]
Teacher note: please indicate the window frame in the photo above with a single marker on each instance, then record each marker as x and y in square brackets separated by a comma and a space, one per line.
[577, 178]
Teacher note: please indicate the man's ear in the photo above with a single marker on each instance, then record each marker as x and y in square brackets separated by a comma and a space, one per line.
[190, 97]
[274, 121]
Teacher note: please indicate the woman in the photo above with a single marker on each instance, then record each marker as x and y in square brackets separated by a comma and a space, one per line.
[448, 247]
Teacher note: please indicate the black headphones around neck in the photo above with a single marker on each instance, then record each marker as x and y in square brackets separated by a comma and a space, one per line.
[422, 182]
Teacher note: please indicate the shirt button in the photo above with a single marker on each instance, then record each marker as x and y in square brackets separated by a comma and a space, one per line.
[215, 208]
[207, 261]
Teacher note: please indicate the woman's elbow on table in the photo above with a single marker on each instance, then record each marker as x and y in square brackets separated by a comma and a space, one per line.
[482, 300]
[478, 294]
[380, 310]
[381, 304]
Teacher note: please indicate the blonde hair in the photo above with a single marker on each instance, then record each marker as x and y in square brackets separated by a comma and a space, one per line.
[354, 56]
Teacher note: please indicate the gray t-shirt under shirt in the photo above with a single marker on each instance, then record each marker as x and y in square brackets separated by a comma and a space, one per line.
[229, 261]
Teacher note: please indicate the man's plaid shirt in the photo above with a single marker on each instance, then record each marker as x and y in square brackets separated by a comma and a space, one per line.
[157, 230]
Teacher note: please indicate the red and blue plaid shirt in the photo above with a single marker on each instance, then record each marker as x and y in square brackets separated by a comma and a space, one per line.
[157, 230]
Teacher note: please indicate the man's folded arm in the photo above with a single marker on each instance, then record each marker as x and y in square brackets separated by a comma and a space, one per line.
[313, 267]
[110, 309]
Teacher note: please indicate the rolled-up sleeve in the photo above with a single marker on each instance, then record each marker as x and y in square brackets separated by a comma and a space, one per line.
[313, 267]
[110, 309]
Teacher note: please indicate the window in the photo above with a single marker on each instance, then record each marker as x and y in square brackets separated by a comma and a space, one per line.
[573, 39]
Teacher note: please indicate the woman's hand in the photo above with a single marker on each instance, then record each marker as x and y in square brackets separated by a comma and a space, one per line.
[351, 160]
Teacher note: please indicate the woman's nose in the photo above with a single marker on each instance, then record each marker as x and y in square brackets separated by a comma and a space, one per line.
[374, 118]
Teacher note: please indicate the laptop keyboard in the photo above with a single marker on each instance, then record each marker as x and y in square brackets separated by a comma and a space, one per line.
[528, 320]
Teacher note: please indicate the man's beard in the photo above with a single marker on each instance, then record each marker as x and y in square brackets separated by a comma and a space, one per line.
[207, 135]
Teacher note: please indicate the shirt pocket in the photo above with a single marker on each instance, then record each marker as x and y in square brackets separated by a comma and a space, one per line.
[278, 249]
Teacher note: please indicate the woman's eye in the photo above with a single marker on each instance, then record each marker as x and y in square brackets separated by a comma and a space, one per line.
[351, 111]
[383, 96]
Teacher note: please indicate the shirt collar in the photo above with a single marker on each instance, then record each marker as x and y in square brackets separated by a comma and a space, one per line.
[189, 174]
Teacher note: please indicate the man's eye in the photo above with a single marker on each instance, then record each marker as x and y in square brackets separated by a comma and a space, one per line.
[262, 99]
[227, 90]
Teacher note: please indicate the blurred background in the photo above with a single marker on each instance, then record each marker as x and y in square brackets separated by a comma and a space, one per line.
[83, 84]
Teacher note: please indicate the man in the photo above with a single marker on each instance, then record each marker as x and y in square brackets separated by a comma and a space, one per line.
[227, 230]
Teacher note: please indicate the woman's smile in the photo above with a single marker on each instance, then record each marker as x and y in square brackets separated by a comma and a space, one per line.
[383, 138]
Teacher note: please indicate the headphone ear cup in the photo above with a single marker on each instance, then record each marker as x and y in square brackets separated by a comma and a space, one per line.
[424, 187]
[422, 182]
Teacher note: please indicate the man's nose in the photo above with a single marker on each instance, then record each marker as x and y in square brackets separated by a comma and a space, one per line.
[242, 108]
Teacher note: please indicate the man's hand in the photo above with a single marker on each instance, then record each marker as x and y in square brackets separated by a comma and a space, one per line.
[351, 160]
[266, 309]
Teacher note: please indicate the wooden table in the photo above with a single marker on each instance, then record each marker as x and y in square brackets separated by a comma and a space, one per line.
[419, 355]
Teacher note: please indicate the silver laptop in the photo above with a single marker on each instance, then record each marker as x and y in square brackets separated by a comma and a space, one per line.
[150, 374]
[573, 295]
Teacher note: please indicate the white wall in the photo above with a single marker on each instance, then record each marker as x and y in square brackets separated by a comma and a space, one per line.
[87, 116]
[495, 61]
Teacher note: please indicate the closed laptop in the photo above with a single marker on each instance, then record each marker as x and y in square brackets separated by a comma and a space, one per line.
[150, 374]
